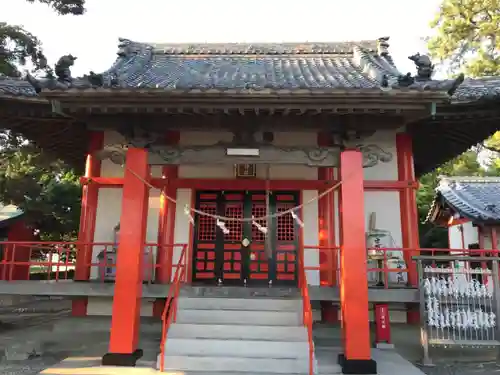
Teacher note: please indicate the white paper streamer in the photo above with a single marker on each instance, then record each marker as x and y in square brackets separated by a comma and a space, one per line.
[297, 219]
[258, 226]
[222, 226]
[187, 212]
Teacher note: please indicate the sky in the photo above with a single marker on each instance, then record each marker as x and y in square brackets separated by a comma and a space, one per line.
[93, 37]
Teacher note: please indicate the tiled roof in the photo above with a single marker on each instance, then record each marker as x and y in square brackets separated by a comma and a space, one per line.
[472, 197]
[9, 212]
[288, 66]
[473, 89]
[310, 66]
[16, 87]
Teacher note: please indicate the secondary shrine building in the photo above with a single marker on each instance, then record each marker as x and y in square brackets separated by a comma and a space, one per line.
[246, 164]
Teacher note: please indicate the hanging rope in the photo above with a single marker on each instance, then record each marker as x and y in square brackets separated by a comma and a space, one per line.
[190, 210]
[267, 245]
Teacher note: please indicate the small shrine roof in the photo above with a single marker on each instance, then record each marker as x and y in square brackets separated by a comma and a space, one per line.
[8, 212]
[362, 65]
[474, 198]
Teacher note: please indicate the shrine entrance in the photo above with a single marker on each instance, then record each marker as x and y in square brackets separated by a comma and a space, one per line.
[238, 257]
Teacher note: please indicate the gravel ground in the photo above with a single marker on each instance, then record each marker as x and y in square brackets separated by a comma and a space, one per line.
[30, 367]
[485, 368]
[28, 320]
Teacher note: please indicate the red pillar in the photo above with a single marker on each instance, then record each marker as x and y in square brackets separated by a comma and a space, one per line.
[326, 220]
[356, 358]
[409, 214]
[166, 226]
[125, 321]
[88, 215]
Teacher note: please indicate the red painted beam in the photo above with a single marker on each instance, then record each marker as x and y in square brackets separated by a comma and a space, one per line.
[90, 194]
[326, 220]
[125, 320]
[166, 225]
[354, 290]
[250, 184]
[408, 213]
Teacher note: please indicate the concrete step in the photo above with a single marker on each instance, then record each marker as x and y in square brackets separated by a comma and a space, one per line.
[235, 364]
[237, 332]
[237, 348]
[225, 373]
[243, 317]
[250, 304]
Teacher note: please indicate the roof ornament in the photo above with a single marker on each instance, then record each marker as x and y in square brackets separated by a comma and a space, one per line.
[406, 80]
[128, 48]
[62, 68]
[383, 46]
[425, 68]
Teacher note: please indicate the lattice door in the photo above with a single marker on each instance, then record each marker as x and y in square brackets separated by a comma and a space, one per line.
[239, 256]
[283, 238]
[286, 234]
[205, 239]
[258, 270]
[232, 263]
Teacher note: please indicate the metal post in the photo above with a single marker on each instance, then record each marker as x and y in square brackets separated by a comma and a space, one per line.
[424, 340]
[496, 294]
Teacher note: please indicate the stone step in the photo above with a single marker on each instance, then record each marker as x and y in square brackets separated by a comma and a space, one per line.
[250, 304]
[237, 332]
[235, 364]
[237, 348]
[243, 317]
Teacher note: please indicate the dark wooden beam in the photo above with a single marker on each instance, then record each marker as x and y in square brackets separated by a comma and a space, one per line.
[321, 122]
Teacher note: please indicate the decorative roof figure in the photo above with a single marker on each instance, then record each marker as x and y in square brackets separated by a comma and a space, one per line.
[425, 68]
[62, 68]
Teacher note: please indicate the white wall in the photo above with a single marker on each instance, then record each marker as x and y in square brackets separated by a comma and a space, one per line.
[386, 140]
[276, 172]
[310, 234]
[462, 235]
[182, 230]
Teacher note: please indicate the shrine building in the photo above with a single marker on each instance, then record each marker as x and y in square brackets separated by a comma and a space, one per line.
[469, 208]
[248, 166]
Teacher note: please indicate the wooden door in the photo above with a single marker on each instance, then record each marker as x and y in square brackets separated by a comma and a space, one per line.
[239, 256]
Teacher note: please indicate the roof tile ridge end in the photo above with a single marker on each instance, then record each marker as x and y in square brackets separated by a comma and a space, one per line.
[363, 59]
[128, 48]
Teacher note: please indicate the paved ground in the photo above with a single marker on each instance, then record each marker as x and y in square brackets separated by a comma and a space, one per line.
[407, 344]
[34, 320]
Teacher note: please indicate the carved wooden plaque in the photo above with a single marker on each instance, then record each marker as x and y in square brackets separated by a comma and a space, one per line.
[245, 170]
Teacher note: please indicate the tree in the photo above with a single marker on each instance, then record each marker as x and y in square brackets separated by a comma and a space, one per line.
[468, 36]
[18, 46]
[47, 190]
[466, 164]
[467, 39]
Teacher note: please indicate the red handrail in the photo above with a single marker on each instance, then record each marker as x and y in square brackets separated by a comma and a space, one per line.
[170, 311]
[307, 314]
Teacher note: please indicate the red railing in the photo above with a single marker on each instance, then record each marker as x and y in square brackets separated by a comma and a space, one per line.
[56, 261]
[307, 314]
[169, 314]
[386, 267]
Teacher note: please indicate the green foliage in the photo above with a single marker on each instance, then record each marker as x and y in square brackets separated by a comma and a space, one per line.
[63, 7]
[467, 36]
[18, 46]
[46, 190]
[464, 165]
